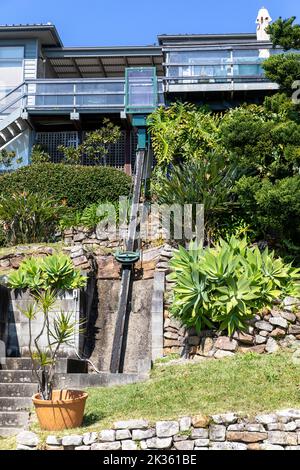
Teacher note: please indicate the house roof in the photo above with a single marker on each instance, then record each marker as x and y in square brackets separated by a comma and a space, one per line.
[102, 61]
[46, 33]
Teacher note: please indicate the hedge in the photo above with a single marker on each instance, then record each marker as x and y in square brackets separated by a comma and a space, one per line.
[79, 185]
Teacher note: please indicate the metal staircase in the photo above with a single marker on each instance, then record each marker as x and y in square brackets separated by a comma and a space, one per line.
[13, 118]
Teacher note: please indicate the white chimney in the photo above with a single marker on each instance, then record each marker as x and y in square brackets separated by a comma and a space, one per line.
[263, 20]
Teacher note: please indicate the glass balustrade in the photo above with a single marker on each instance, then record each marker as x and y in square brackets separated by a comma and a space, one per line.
[214, 65]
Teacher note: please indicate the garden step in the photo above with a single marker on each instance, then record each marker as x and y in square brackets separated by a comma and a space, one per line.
[15, 404]
[8, 432]
[14, 419]
[17, 376]
[24, 363]
[18, 389]
[17, 363]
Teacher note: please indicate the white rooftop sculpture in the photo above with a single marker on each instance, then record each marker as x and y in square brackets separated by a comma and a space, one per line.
[263, 20]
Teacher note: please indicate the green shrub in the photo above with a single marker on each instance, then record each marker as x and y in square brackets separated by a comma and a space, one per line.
[208, 181]
[273, 209]
[29, 218]
[78, 186]
[39, 155]
[227, 285]
[88, 218]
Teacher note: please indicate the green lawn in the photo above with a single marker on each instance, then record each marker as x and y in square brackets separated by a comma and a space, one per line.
[247, 383]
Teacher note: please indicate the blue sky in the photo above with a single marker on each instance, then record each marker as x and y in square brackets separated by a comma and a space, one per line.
[132, 22]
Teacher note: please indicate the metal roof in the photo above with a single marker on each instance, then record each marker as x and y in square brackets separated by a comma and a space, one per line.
[102, 61]
[46, 33]
[170, 39]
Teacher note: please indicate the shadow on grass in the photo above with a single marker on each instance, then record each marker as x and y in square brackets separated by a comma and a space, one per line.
[92, 418]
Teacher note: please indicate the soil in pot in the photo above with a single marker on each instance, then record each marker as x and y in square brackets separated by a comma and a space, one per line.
[64, 411]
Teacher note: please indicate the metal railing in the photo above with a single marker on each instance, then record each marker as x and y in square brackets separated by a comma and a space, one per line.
[71, 95]
[205, 72]
[15, 99]
[76, 94]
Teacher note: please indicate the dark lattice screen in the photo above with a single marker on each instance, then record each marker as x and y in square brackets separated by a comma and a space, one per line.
[115, 156]
[51, 140]
[116, 152]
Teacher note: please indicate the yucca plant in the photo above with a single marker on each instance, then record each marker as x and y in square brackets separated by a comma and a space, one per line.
[45, 278]
[225, 286]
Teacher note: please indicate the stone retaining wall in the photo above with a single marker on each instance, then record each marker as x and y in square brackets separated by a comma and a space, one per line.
[230, 431]
[90, 238]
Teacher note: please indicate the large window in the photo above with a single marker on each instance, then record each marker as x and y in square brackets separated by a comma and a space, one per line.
[11, 68]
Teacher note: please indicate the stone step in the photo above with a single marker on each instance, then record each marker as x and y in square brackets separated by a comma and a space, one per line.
[17, 376]
[63, 364]
[15, 404]
[8, 432]
[14, 419]
[18, 390]
[17, 363]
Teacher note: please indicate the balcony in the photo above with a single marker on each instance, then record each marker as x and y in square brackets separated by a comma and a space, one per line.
[61, 96]
[215, 70]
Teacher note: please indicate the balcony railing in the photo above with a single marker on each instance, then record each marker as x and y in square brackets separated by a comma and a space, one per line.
[215, 73]
[77, 95]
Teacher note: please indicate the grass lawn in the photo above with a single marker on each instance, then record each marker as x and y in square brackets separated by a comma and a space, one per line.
[248, 383]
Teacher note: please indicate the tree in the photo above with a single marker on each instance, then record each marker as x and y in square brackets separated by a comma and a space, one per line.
[182, 132]
[284, 33]
[95, 146]
[283, 69]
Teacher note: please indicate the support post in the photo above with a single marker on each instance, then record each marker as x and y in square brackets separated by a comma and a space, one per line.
[127, 166]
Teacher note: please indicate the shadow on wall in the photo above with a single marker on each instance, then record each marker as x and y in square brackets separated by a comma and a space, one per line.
[8, 326]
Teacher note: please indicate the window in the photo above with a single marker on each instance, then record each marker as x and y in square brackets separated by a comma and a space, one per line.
[11, 52]
[11, 68]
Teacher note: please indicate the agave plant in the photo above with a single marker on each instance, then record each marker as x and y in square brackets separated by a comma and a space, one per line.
[228, 284]
[45, 278]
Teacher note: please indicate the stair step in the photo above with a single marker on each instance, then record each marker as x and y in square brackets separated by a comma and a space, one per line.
[18, 390]
[15, 404]
[17, 363]
[17, 376]
[8, 432]
[14, 419]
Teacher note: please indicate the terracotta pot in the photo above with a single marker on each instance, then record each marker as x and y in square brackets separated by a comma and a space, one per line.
[64, 411]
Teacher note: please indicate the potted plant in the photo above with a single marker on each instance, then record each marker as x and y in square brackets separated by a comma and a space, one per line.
[46, 279]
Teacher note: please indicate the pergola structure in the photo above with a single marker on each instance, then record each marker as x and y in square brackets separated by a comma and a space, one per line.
[101, 62]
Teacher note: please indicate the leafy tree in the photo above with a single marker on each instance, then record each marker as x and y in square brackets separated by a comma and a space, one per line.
[271, 208]
[284, 33]
[263, 139]
[283, 69]
[182, 132]
[95, 146]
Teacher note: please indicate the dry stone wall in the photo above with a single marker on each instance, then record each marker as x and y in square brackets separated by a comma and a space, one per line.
[279, 430]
